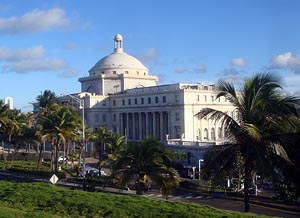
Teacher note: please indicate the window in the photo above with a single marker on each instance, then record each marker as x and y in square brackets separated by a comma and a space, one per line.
[205, 133]
[198, 98]
[176, 98]
[96, 118]
[123, 101]
[164, 99]
[156, 99]
[212, 134]
[220, 133]
[104, 118]
[177, 116]
[149, 100]
[114, 72]
[135, 101]
[115, 117]
[126, 72]
[142, 100]
[114, 102]
[205, 98]
[137, 72]
[212, 98]
[129, 101]
[104, 103]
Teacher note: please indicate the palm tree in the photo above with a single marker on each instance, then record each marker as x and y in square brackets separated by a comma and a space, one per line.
[46, 99]
[61, 123]
[147, 160]
[3, 114]
[117, 146]
[262, 110]
[100, 137]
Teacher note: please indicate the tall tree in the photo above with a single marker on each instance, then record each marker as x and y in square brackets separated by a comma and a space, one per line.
[262, 109]
[46, 99]
[100, 137]
[62, 122]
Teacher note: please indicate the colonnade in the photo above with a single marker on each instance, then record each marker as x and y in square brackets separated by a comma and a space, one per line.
[139, 125]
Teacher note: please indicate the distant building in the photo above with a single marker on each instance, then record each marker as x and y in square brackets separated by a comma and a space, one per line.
[10, 102]
[120, 94]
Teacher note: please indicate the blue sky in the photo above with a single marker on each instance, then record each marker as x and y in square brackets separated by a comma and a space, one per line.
[50, 44]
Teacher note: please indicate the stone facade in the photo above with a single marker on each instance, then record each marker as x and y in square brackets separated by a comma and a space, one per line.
[120, 94]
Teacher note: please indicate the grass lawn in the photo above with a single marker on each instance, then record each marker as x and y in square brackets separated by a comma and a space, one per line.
[46, 200]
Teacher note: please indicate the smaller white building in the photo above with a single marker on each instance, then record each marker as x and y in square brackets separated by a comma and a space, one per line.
[10, 102]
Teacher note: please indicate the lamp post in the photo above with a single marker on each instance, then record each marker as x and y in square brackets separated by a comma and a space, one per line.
[200, 160]
[81, 104]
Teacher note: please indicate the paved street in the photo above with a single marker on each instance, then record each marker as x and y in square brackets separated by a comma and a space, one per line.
[226, 204]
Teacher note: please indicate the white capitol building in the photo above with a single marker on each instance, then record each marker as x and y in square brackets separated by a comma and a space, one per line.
[120, 94]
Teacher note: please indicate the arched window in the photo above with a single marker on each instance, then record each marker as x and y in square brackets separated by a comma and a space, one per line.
[212, 134]
[205, 134]
[220, 135]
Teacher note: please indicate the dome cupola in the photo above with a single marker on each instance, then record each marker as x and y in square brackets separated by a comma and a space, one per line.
[118, 61]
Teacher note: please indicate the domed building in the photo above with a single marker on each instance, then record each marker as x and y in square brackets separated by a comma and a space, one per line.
[120, 95]
[117, 72]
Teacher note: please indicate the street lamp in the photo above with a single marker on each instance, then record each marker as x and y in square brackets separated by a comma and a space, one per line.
[194, 168]
[81, 104]
[200, 160]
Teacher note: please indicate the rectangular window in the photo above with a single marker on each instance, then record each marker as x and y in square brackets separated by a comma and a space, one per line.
[123, 101]
[212, 98]
[149, 100]
[135, 101]
[115, 117]
[129, 101]
[104, 118]
[164, 99]
[205, 98]
[156, 99]
[142, 100]
[177, 116]
[198, 98]
[176, 98]
[114, 102]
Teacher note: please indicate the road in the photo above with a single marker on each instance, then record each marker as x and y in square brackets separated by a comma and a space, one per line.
[221, 203]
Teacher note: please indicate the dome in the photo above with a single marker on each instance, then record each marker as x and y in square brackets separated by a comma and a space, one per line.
[118, 60]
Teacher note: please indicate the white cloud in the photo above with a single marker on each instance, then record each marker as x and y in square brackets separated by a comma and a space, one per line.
[70, 73]
[238, 62]
[287, 61]
[7, 54]
[36, 65]
[291, 83]
[181, 70]
[150, 55]
[34, 21]
[201, 68]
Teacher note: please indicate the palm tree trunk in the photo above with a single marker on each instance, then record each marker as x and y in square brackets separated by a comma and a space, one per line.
[246, 183]
[40, 156]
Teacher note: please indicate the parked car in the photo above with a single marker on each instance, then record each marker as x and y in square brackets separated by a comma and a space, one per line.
[61, 159]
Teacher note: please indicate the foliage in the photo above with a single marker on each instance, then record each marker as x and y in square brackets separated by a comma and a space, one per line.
[45, 200]
[148, 160]
[264, 113]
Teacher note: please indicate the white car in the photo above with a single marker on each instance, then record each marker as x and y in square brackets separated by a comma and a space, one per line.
[61, 159]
